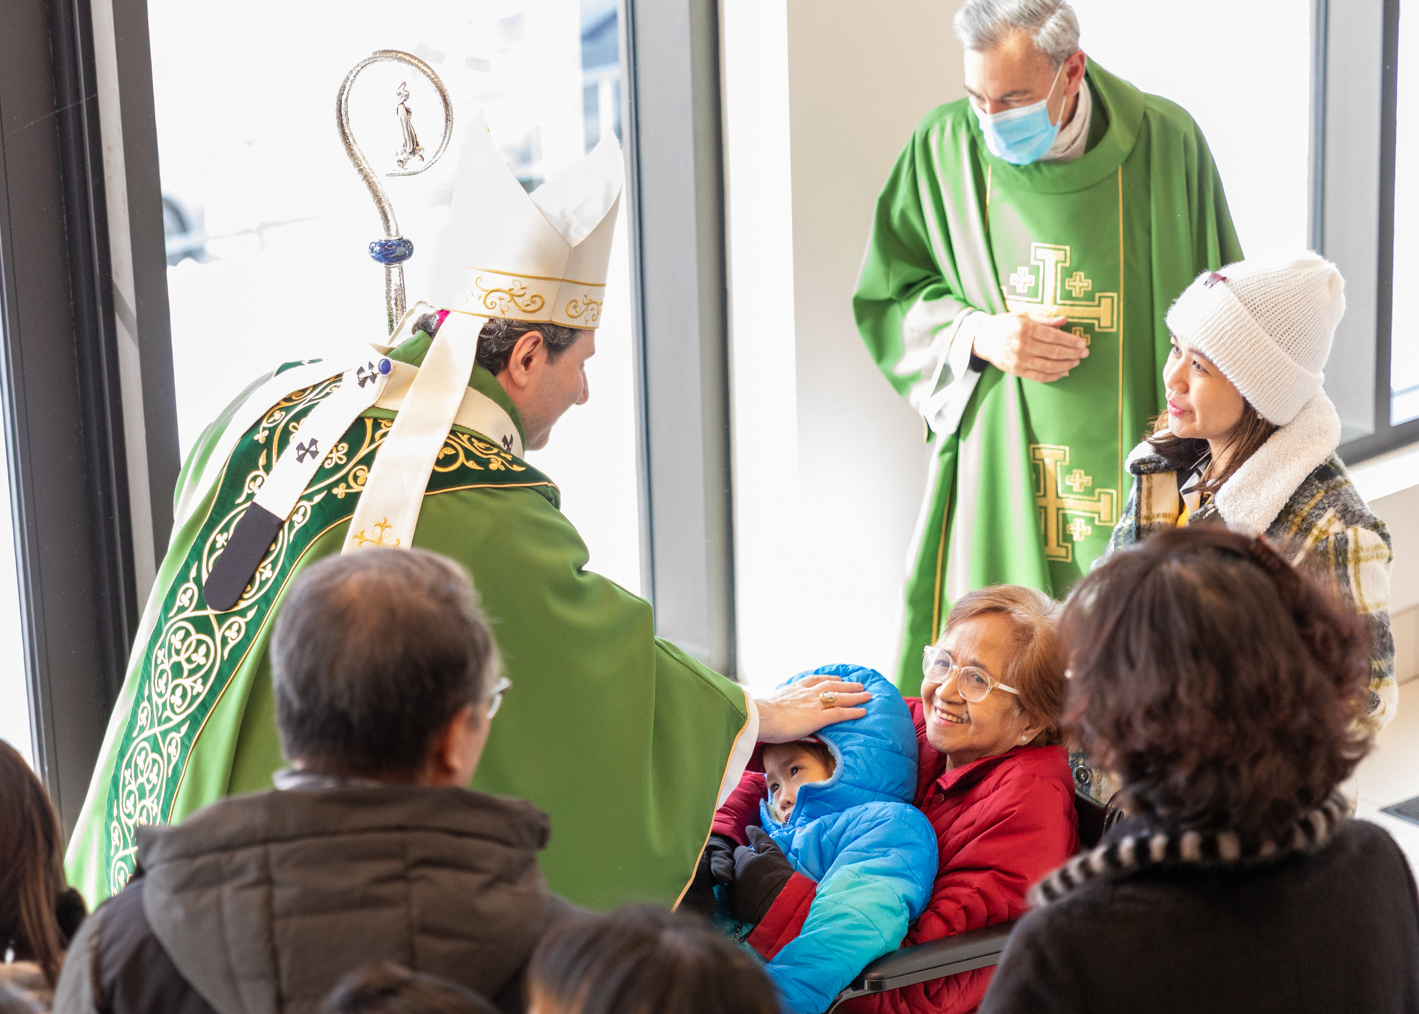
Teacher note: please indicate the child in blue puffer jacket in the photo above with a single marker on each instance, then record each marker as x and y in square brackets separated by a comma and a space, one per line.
[839, 807]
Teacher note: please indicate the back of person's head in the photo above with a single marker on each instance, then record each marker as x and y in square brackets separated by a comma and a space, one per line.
[38, 912]
[1216, 681]
[393, 989]
[645, 960]
[1035, 669]
[374, 652]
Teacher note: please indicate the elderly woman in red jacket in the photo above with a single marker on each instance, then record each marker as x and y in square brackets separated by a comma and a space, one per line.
[993, 780]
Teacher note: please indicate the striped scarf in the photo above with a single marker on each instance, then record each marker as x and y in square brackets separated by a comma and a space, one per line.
[1152, 849]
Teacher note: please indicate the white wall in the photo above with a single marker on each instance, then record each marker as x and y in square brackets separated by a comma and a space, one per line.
[829, 463]
[1262, 150]
[1391, 485]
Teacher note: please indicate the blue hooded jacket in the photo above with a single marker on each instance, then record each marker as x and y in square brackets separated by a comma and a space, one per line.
[858, 835]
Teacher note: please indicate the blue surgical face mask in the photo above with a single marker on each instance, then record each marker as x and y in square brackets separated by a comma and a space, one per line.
[1021, 135]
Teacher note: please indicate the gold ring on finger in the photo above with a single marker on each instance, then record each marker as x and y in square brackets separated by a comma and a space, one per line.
[828, 699]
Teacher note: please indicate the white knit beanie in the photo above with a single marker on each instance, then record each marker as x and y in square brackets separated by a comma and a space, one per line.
[1268, 327]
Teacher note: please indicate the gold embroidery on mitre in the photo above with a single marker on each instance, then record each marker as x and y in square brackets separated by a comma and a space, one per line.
[514, 295]
[1067, 512]
[1049, 291]
[584, 307]
[382, 527]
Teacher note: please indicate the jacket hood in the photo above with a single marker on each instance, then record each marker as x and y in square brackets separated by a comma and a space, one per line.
[246, 894]
[875, 755]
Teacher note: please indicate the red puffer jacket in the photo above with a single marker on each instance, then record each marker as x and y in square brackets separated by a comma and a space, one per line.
[1001, 823]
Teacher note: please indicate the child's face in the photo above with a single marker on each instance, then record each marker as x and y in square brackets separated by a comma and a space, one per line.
[788, 766]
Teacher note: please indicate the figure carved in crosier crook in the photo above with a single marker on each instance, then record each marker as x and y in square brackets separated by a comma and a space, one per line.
[411, 148]
[393, 250]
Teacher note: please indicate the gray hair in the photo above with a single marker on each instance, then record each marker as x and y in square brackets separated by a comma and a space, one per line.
[981, 25]
[372, 654]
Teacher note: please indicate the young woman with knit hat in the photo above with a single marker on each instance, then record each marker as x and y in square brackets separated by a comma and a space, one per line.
[1249, 438]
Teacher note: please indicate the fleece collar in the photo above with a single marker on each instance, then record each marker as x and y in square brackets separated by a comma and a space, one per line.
[1256, 493]
[1128, 852]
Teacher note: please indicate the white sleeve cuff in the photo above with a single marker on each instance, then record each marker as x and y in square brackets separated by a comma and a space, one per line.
[963, 343]
[951, 388]
[743, 749]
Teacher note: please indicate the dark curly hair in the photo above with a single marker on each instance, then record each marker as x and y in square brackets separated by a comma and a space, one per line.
[1218, 683]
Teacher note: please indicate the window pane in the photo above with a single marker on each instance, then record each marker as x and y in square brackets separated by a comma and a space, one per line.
[1404, 338]
[269, 224]
[14, 687]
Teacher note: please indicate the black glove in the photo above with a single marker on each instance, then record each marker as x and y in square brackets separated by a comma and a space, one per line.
[716, 866]
[760, 871]
[720, 855]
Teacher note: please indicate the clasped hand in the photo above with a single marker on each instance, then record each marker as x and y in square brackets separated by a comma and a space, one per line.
[1029, 346]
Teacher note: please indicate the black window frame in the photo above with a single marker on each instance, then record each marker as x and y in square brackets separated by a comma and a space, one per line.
[1354, 105]
[61, 384]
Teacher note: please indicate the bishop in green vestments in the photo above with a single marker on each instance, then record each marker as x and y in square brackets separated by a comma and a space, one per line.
[622, 738]
[1075, 256]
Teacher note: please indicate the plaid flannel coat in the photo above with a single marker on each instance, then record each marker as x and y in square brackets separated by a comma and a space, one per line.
[1296, 491]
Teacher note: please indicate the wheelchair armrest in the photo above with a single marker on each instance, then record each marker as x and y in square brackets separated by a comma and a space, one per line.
[934, 959]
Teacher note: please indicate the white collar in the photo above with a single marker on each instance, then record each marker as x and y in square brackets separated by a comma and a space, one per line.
[1257, 491]
[1073, 137]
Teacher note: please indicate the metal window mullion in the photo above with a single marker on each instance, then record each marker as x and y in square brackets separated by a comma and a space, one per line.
[677, 222]
[630, 129]
[1320, 19]
[40, 390]
[95, 349]
[1389, 130]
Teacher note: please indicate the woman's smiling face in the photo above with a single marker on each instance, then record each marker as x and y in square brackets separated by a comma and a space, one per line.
[966, 731]
[1202, 403]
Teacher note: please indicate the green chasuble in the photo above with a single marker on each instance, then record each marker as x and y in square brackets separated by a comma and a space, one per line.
[622, 738]
[1028, 478]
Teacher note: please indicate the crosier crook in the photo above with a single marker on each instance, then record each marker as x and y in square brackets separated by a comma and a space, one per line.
[394, 249]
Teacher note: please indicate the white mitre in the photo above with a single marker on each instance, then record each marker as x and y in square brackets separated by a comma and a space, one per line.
[540, 257]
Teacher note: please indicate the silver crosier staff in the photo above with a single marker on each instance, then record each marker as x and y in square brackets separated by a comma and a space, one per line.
[393, 250]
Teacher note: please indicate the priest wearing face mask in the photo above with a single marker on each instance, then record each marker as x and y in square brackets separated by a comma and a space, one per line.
[1023, 253]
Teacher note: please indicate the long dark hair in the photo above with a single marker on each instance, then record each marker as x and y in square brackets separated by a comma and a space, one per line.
[37, 910]
[646, 960]
[1218, 682]
[1183, 453]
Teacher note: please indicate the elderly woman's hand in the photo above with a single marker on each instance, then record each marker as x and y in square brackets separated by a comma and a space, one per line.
[798, 710]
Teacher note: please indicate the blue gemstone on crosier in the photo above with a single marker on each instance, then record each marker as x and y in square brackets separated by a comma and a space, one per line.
[392, 251]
